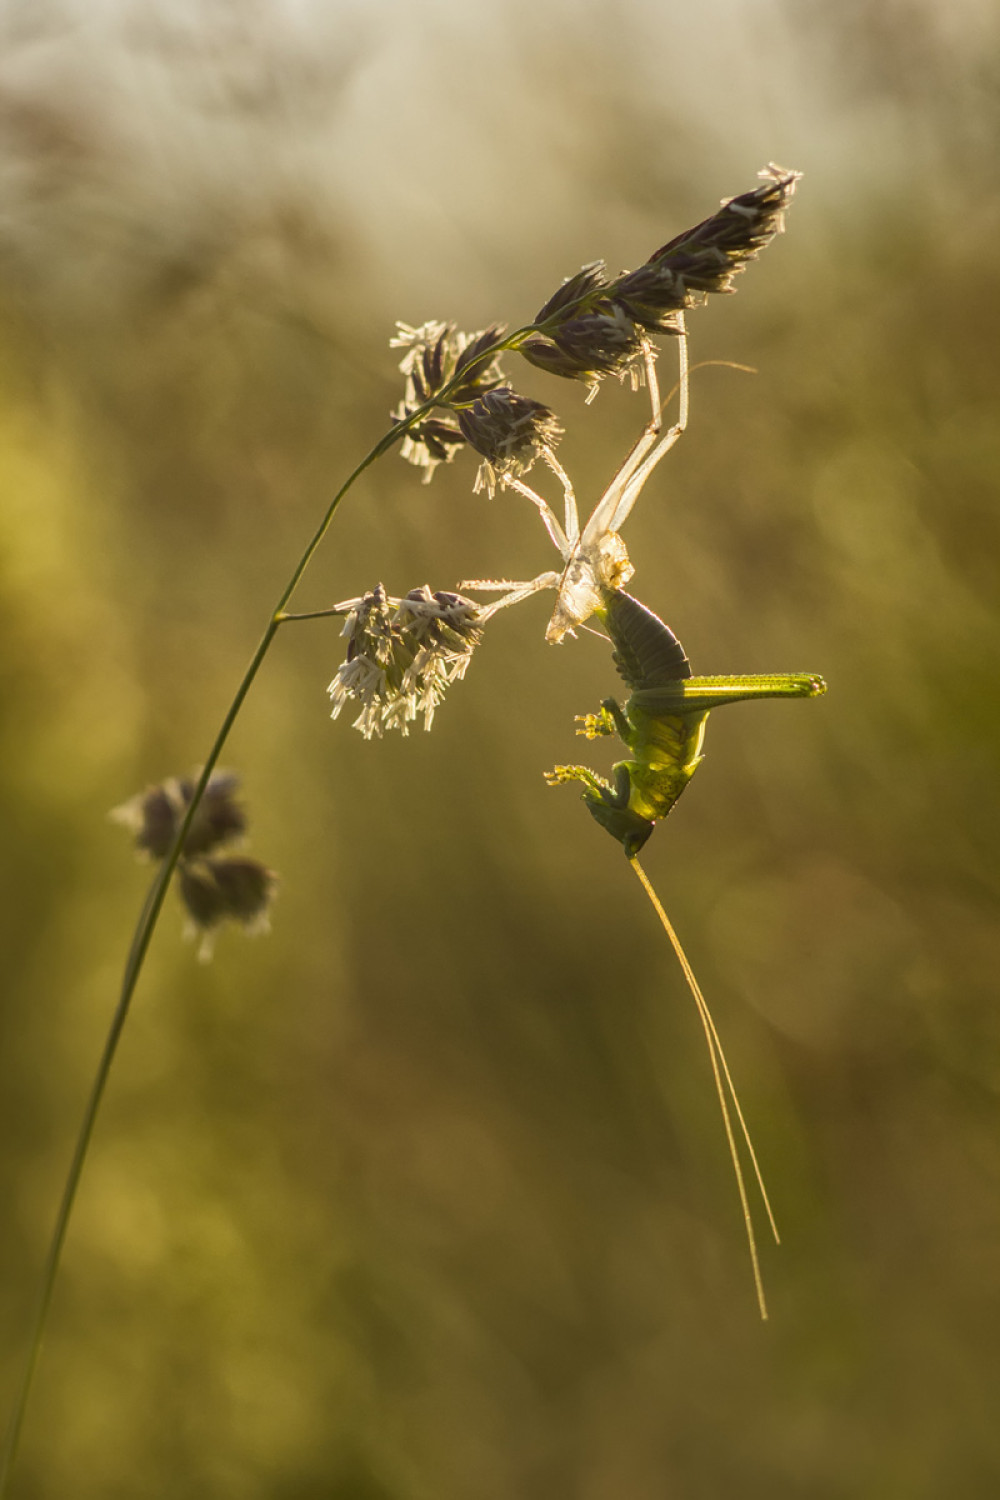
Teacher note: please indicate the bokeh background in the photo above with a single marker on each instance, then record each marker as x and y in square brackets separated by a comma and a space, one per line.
[425, 1196]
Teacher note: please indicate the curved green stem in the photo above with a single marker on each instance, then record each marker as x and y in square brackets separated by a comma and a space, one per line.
[151, 910]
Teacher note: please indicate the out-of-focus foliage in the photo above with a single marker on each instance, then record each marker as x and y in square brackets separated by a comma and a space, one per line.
[424, 1196]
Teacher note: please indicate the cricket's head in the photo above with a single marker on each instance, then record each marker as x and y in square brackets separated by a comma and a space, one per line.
[628, 827]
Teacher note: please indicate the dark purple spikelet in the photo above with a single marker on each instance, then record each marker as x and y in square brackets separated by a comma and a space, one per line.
[219, 818]
[705, 259]
[577, 291]
[509, 432]
[230, 887]
[213, 887]
[593, 323]
[589, 346]
[437, 354]
[155, 815]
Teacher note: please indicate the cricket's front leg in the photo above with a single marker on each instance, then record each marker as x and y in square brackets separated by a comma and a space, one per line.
[595, 785]
[595, 725]
[620, 794]
[609, 804]
[611, 709]
[596, 788]
[609, 719]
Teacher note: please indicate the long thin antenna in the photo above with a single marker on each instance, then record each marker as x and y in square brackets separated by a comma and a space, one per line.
[720, 1072]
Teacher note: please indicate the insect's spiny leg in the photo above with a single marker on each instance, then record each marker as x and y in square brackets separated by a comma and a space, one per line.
[599, 522]
[609, 506]
[631, 491]
[515, 591]
[493, 585]
[572, 522]
[652, 385]
[651, 431]
[683, 372]
[556, 534]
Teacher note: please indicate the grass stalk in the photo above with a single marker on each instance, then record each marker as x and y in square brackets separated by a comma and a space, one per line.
[149, 915]
[723, 1082]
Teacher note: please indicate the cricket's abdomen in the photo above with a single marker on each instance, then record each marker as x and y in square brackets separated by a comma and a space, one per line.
[647, 653]
[667, 752]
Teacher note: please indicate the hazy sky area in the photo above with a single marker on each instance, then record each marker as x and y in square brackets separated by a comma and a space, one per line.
[435, 133]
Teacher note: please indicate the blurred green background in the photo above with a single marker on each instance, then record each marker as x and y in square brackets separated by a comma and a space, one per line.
[425, 1196]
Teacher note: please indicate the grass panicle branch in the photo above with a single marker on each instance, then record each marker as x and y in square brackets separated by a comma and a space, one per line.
[139, 946]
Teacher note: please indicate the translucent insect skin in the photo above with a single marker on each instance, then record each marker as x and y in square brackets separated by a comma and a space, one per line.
[662, 723]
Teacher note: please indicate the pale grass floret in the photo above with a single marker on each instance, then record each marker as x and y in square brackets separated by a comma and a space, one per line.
[415, 341]
[403, 656]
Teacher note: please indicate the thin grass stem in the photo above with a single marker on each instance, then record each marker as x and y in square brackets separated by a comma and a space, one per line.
[153, 904]
[720, 1072]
